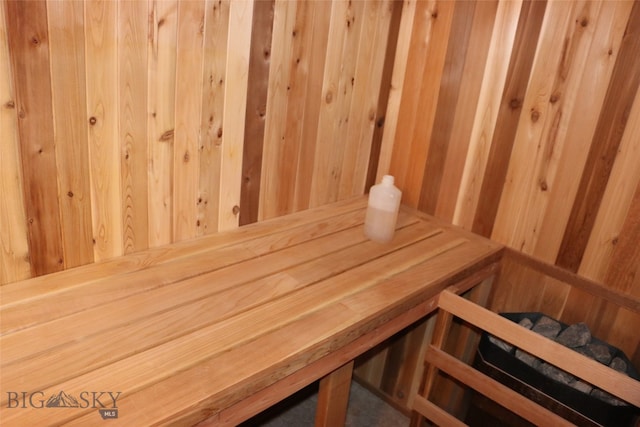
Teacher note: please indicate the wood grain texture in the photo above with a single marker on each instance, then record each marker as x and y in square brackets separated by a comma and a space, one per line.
[260, 59]
[28, 36]
[526, 38]
[68, 93]
[186, 161]
[133, 22]
[604, 147]
[235, 104]
[161, 119]
[14, 245]
[104, 146]
[216, 33]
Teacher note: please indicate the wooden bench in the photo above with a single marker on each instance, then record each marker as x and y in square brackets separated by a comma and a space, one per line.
[451, 306]
[217, 329]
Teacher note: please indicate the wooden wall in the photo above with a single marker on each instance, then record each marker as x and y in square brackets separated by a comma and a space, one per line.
[125, 125]
[131, 124]
[520, 120]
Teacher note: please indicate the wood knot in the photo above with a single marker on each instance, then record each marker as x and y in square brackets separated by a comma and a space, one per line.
[515, 103]
[92, 121]
[328, 97]
[235, 210]
[535, 115]
[70, 193]
[543, 185]
[554, 98]
[10, 104]
[186, 157]
[166, 136]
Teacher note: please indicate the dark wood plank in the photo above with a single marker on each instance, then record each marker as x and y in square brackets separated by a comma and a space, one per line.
[255, 117]
[621, 93]
[526, 40]
[447, 103]
[29, 48]
[383, 98]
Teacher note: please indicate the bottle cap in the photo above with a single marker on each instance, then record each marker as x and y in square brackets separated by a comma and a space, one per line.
[388, 179]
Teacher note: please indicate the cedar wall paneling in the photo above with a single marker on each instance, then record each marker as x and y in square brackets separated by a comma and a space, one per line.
[127, 125]
[132, 124]
[520, 120]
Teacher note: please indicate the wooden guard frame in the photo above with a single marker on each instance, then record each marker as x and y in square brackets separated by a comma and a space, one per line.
[450, 305]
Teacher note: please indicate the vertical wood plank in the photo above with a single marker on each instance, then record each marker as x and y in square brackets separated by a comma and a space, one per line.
[529, 27]
[366, 91]
[393, 42]
[608, 28]
[449, 92]
[420, 101]
[102, 110]
[162, 55]
[235, 104]
[623, 273]
[281, 146]
[14, 246]
[254, 132]
[462, 126]
[333, 397]
[216, 29]
[29, 47]
[188, 104]
[338, 83]
[316, 57]
[607, 240]
[538, 141]
[486, 115]
[66, 35]
[133, 30]
[398, 75]
[604, 146]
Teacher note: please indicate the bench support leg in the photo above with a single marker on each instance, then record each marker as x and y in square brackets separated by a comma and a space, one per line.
[333, 397]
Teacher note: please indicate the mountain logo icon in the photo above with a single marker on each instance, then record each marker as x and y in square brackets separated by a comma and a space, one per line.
[62, 400]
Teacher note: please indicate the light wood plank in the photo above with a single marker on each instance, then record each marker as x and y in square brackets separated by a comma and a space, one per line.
[235, 103]
[608, 28]
[338, 81]
[216, 31]
[333, 397]
[614, 210]
[280, 143]
[186, 162]
[397, 88]
[102, 109]
[486, 116]
[366, 92]
[30, 59]
[319, 26]
[14, 246]
[133, 23]
[68, 93]
[161, 121]
[471, 85]
[621, 93]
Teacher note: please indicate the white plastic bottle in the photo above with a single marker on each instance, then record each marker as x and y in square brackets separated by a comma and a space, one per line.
[382, 210]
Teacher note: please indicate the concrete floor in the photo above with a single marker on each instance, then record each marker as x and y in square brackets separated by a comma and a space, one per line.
[365, 410]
